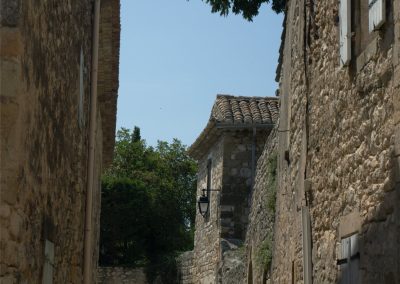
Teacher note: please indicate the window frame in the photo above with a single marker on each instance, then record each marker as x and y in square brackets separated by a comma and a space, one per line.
[348, 260]
[48, 266]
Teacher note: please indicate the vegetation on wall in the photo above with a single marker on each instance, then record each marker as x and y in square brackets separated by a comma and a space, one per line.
[264, 256]
[272, 164]
[148, 206]
[248, 8]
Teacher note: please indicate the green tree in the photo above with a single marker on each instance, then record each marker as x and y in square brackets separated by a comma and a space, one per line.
[148, 205]
[183, 170]
[124, 216]
[136, 134]
[248, 8]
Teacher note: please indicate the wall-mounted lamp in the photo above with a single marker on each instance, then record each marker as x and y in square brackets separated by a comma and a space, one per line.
[204, 202]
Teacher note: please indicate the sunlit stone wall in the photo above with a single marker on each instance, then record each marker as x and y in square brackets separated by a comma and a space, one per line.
[338, 147]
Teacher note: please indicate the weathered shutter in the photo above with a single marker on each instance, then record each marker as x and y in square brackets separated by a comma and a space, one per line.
[377, 13]
[349, 262]
[81, 91]
[345, 265]
[307, 264]
[345, 31]
[354, 259]
[48, 263]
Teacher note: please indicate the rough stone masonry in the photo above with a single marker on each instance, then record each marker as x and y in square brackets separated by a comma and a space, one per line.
[227, 151]
[338, 212]
[45, 61]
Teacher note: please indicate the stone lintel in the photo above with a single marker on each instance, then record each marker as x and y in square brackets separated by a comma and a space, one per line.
[350, 224]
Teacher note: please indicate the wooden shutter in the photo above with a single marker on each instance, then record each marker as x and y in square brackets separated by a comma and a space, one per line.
[349, 263]
[344, 267]
[81, 91]
[354, 260]
[307, 263]
[376, 14]
[48, 263]
[345, 31]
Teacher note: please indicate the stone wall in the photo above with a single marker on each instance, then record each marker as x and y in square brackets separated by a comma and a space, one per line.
[237, 181]
[108, 73]
[337, 159]
[287, 253]
[218, 254]
[45, 61]
[121, 275]
[206, 253]
[232, 268]
[185, 268]
[259, 234]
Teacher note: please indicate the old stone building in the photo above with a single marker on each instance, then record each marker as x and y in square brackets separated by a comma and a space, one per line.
[58, 90]
[337, 148]
[338, 212]
[227, 151]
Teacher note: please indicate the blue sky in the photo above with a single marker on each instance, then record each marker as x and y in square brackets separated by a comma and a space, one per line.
[176, 56]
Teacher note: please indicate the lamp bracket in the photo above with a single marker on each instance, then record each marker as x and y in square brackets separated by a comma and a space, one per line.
[205, 189]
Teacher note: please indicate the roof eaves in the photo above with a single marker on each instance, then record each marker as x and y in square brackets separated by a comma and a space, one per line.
[244, 125]
[196, 149]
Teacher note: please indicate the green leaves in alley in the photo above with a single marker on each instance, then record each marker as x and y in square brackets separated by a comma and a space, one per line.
[248, 8]
[148, 204]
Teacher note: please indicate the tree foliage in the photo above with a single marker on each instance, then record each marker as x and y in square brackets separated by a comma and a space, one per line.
[125, 213]
[248, 8]
[148, 205]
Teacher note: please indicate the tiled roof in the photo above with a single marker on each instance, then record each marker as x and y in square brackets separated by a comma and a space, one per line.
[230, 111]
[245, 110]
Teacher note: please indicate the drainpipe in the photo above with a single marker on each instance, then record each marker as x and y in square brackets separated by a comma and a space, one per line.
[88, 235]
[253, 161]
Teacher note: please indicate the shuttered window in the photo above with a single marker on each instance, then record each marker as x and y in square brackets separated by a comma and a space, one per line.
[81, 92]
[307, 251]
[376, 14]
[48, 263]
[345, 31]
[349, 263]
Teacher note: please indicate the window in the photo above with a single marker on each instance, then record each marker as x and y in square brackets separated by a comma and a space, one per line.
[81, 91]
[349, 262]
[358, 19]
[348, 249]
[48, 263]
[377, 13]
[361, 35]
[345, 31]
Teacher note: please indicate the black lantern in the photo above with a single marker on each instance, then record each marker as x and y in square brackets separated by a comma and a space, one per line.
[203, 203]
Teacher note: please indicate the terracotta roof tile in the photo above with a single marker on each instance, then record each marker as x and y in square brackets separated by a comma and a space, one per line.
[245, 110]
[230, 111]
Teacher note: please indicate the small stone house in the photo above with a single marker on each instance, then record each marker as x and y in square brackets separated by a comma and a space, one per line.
[54, 139]
[227, 151]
